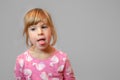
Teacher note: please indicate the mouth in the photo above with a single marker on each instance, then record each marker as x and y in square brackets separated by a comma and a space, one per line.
[41, 41]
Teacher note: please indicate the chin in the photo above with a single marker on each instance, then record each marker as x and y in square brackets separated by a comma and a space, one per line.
[42, 47]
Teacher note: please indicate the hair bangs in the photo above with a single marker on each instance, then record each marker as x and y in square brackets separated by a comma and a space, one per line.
[34, 18]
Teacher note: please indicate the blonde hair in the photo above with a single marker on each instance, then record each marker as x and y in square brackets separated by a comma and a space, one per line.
[34, 16]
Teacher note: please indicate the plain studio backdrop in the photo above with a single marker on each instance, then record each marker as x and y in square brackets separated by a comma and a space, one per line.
[88, 31]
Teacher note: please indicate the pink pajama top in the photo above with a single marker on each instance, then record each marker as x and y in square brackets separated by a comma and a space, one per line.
[57, 67]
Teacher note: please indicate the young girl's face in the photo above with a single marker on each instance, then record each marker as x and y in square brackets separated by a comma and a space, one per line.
[40, 35]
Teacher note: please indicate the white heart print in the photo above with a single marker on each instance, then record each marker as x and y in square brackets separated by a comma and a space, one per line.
[54, 60]
[39, 66]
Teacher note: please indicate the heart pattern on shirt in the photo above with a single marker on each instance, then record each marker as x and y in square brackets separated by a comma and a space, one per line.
[39, 66]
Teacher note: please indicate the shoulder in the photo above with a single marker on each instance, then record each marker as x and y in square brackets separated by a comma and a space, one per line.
[61, 55]
[22, 56]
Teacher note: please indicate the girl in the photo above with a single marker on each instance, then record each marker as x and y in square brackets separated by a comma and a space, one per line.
[41, 61]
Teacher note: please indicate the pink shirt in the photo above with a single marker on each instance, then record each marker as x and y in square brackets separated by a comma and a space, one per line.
[57, 67]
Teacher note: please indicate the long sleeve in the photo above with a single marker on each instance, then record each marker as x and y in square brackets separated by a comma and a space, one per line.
[68, 71]
[18, 69]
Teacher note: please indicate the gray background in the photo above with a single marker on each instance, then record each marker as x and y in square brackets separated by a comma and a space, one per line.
[88, 30]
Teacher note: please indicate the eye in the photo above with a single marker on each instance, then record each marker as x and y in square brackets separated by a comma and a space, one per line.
[44, 26]
[32, 28]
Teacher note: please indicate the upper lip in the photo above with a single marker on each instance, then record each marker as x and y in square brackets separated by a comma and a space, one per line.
[41, 39]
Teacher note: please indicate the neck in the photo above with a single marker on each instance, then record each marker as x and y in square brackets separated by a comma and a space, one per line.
[49, 49]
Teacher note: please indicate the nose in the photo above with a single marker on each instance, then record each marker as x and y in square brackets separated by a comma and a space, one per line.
[40, 31]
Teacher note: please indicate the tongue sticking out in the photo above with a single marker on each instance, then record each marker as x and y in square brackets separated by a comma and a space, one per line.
[41, 42]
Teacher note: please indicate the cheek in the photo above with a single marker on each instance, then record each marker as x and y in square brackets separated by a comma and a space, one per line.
[31, 38]
[49, 35]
